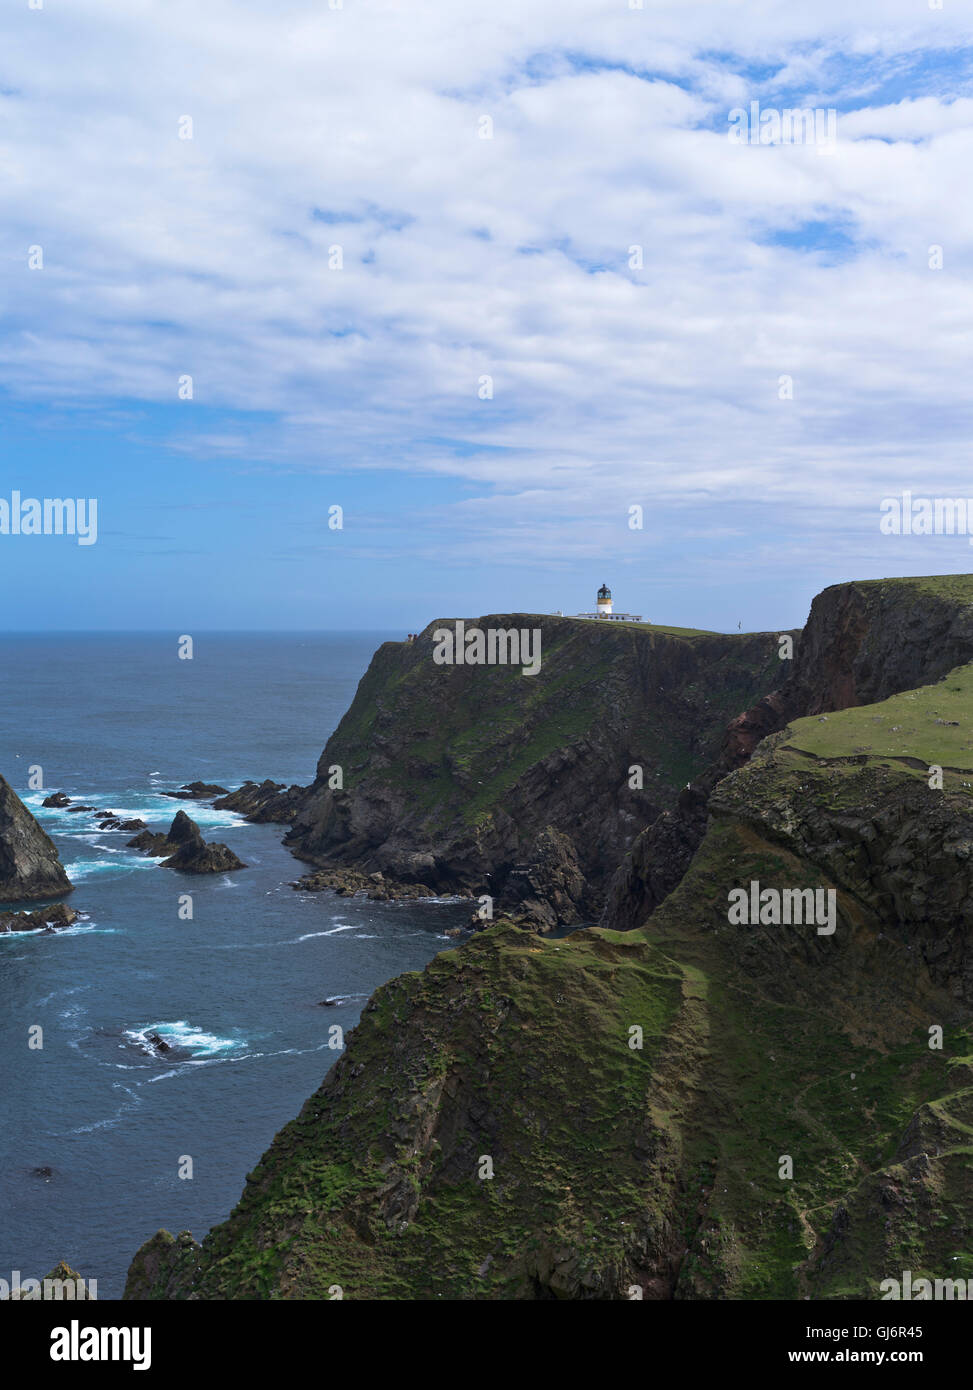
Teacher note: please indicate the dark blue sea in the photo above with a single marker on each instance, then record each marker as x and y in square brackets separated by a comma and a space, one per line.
[116, 720]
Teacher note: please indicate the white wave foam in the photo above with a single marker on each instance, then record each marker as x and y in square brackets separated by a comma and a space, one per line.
[332, 931]
[185, 1036]
[81, 869]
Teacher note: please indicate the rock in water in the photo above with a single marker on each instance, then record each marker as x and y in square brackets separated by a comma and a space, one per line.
[197, 791]
[29, 863]
[203, 859]
[268, 801]
[185, 849]
[52, 918]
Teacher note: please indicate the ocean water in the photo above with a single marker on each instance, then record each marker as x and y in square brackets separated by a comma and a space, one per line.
[116, 720]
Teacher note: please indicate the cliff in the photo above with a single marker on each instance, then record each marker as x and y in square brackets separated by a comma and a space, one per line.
[707, 1105]
[663, 1165]
[478, 779]
[29, 863]
[863, 642]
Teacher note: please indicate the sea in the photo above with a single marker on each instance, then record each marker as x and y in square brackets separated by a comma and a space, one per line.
[104, 1138]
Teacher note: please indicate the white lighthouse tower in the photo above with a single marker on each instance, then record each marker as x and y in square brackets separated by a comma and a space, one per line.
[605, 609]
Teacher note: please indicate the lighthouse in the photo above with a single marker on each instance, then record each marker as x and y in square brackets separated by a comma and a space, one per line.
[605, 609]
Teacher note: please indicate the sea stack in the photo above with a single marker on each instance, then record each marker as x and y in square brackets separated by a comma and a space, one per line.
[185, 849]
[29, 863]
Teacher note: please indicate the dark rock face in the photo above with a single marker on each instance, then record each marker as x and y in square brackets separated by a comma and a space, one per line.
[481, 781]
[550, 890]
[185, 849]
[162, 1266]
[51, 918]
[56, 799]
[263, 802]
[29, 863]
[203, 859]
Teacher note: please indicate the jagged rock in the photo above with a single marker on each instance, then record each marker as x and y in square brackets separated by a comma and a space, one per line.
[268, 801]
[212, 858]
[164, 1264]
[56, 799]
[550, 890]
[29, 863]
[51, 918]
[185, 849]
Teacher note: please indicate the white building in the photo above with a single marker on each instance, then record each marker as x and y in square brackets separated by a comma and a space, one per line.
[605, 611]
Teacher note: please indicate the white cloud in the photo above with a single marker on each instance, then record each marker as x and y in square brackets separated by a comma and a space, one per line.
[506, 257]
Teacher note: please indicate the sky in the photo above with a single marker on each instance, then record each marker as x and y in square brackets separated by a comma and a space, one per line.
[486, 277]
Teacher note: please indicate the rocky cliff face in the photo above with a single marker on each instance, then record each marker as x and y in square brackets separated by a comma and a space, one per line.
[29, 863]
[699, 1108]
[862, 643]
[481, 780]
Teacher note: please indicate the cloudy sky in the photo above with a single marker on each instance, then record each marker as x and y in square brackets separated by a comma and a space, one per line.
[486, 276]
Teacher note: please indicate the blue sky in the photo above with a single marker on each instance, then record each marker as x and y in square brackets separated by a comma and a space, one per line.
[463, 258]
